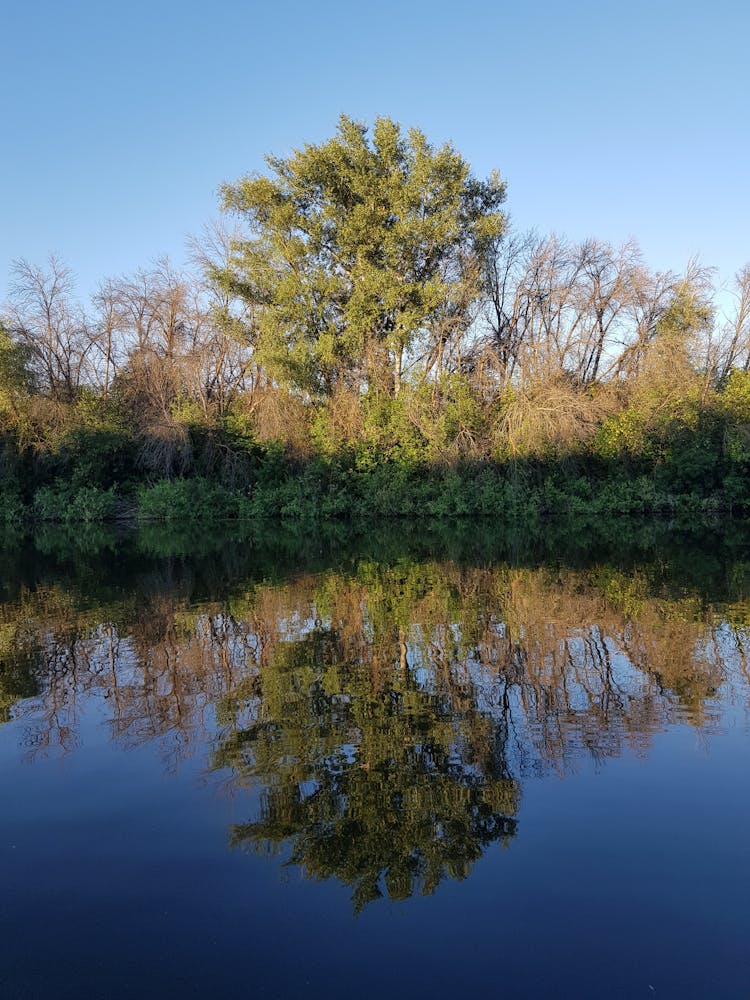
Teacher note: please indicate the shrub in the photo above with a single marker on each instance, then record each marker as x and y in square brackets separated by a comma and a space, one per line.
[187, 500]
[67, 505]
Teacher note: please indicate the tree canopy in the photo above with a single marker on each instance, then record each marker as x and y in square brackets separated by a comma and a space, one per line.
[356, 249]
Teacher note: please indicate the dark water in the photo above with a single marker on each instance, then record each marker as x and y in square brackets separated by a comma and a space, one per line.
[358, 763]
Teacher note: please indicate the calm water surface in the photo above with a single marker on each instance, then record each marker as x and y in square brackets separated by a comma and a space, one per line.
[431, 766]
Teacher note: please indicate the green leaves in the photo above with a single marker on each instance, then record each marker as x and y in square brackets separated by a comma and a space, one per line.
[353, 247]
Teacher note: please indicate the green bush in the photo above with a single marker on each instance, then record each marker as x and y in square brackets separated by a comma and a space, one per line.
[12, 511]
[64, 504]
[182, 500]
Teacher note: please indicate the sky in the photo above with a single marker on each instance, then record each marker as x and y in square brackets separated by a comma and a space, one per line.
[607, 119]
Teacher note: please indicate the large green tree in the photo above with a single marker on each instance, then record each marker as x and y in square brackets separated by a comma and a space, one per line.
[356, 250]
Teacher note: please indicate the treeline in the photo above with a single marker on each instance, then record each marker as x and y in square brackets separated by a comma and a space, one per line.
[365, 332]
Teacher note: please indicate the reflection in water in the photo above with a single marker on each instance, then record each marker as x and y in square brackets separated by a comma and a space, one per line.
[382, 716]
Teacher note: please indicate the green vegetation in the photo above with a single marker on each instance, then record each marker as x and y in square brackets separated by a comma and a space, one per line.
[373, 339]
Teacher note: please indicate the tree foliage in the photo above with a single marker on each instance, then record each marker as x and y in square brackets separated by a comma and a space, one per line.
[357, 249]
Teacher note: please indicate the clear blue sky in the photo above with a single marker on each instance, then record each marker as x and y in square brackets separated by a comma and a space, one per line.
[607, 119]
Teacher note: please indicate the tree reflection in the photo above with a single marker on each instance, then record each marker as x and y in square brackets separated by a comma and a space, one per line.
[382, 718]
[373, 783]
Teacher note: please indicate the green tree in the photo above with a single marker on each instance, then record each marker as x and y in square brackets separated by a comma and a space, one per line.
[15, 376]
[356, 248]
[16, 383]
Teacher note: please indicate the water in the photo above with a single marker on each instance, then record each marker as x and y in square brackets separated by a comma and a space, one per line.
[369, 762]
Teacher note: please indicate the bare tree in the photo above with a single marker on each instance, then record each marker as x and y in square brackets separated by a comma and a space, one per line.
[109, 325]
[731, 340]
[508, 309]
[649, 298]
[43, 316]
[229, 362]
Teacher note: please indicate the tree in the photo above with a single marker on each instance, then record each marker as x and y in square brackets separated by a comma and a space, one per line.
[44, 317]
[730, 345]
[356, 248]
[15, 374]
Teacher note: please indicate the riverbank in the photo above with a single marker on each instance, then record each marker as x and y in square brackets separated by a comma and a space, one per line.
[323, 491]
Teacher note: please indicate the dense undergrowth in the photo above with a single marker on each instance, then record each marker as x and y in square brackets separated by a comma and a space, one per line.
[93, 466]
[95, 478]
